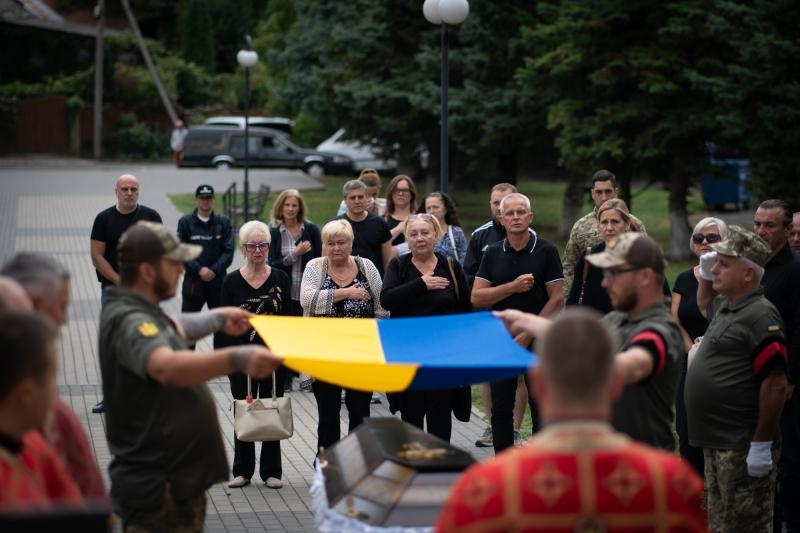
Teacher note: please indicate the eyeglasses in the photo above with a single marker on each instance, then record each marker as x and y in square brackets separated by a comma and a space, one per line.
[422, 216]
[253, 246]
[710, 238]
[609, 274]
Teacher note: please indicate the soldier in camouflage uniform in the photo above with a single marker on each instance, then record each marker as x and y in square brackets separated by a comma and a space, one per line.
[736, 385]
[586, 231]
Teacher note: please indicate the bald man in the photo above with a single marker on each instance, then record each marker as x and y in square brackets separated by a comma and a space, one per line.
[12, 296]
[108, 226]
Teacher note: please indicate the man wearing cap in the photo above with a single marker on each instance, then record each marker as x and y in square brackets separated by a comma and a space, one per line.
[577, 473]
[772, 222]
[736, 384]
[650, 342]
[202, 281]
[108, 226]
[586, 230]
[161, 421]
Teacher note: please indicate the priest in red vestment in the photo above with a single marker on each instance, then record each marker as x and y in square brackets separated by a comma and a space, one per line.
[32, 477]
[577, 473]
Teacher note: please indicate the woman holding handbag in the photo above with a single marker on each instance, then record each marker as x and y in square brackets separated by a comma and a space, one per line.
[344, 286]
[424, 283]
[262, 290]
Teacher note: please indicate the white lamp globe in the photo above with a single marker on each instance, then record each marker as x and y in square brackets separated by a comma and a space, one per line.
[453, 11]
[247, 58]
[431, 11]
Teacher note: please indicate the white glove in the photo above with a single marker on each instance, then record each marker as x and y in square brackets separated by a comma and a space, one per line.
[707, 261]
[759, 458]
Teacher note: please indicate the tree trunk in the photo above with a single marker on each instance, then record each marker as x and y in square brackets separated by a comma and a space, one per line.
[507, 163]
[573, 204]
[678, 219]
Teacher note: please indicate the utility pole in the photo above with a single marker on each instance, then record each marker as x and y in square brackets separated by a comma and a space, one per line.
[100, 16]
[149, 61]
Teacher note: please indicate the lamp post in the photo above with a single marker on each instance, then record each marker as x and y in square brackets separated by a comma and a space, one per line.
[247, 57]
[444, 12]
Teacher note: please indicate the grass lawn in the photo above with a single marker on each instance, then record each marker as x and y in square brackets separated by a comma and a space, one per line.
[650, 205]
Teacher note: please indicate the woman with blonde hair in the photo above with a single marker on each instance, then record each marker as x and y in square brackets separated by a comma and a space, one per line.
[424, 283]
[295, 241]
[338, 284]
[262, 290]
[615, 219]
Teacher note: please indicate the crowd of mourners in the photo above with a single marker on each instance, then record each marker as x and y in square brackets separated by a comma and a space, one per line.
[655, 406]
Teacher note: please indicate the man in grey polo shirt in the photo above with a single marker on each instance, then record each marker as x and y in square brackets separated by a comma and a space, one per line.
[736, 384]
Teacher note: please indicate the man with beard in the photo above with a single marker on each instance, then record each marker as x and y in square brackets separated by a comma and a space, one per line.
[108, 226]
[650, 345]
[161, 420]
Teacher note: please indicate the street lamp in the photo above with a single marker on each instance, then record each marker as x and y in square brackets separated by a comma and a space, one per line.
[247, 58]
[444, 12]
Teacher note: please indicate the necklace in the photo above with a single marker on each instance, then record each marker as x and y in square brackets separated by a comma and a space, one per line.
[425, 267]
[343, 276]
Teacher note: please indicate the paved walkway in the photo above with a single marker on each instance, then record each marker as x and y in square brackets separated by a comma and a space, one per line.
[49, 205]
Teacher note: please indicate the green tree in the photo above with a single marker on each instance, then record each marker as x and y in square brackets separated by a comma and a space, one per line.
[613, 78]
[197, 36]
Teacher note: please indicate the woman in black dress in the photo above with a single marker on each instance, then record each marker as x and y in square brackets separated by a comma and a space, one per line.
[424, 283]
[262, 290]
[693, 325]
[401, 201]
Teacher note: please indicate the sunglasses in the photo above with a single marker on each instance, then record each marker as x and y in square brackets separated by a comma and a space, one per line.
[253, 246]
[710, 238]
[422, 216]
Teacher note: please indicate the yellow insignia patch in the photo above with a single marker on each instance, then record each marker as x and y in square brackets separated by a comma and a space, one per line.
[773, 327]
[148, 329]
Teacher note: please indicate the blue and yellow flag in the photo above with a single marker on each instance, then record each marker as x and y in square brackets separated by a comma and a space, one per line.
[437, 352]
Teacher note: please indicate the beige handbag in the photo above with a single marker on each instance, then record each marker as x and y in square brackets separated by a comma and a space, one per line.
[263, 419]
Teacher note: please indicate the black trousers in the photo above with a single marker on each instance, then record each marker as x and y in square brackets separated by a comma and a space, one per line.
[691, 453]
[329, 404]
[788, 493]
[244, 453]
[197, 292]
[432, 406]
[503, 399]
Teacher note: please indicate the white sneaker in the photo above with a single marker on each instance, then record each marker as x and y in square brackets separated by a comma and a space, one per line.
[485, 440]
[273, 483]
[238, 482]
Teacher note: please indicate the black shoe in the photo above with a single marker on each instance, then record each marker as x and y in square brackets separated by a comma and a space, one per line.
[100, 407]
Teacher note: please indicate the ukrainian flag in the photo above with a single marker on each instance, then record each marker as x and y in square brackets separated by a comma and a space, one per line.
[436, 352]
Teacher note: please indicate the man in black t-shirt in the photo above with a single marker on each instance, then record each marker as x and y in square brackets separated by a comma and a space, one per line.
[108, 227]
[372, 239]
[521, 272]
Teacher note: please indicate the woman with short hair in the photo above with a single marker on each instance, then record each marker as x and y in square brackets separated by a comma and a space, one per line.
[343, 286]
[425, 283]
[262, 290]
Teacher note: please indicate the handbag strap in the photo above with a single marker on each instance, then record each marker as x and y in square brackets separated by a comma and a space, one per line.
[453, 274]
[452, 239]
[250, 388]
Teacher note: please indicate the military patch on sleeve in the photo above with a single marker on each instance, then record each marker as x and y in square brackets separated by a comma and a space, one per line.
[148, 329]
[773, 326]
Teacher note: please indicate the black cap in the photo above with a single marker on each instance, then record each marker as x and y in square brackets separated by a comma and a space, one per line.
[204, 190]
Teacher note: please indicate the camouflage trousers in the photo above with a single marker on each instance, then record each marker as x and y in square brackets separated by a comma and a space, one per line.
[172, 516]
[736, 501]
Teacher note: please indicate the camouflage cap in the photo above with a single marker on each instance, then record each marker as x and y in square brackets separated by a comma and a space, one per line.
[634, 249]
[743, 243]
[146, 241]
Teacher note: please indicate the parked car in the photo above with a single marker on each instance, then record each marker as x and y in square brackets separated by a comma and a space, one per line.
[363, 156]
[276, 123]
[223, 147]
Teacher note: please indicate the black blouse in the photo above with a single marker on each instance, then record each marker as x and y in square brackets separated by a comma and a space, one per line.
[689, 315]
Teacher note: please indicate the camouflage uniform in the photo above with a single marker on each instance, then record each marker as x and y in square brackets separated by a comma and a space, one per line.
[585, 232]
[737, 501]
